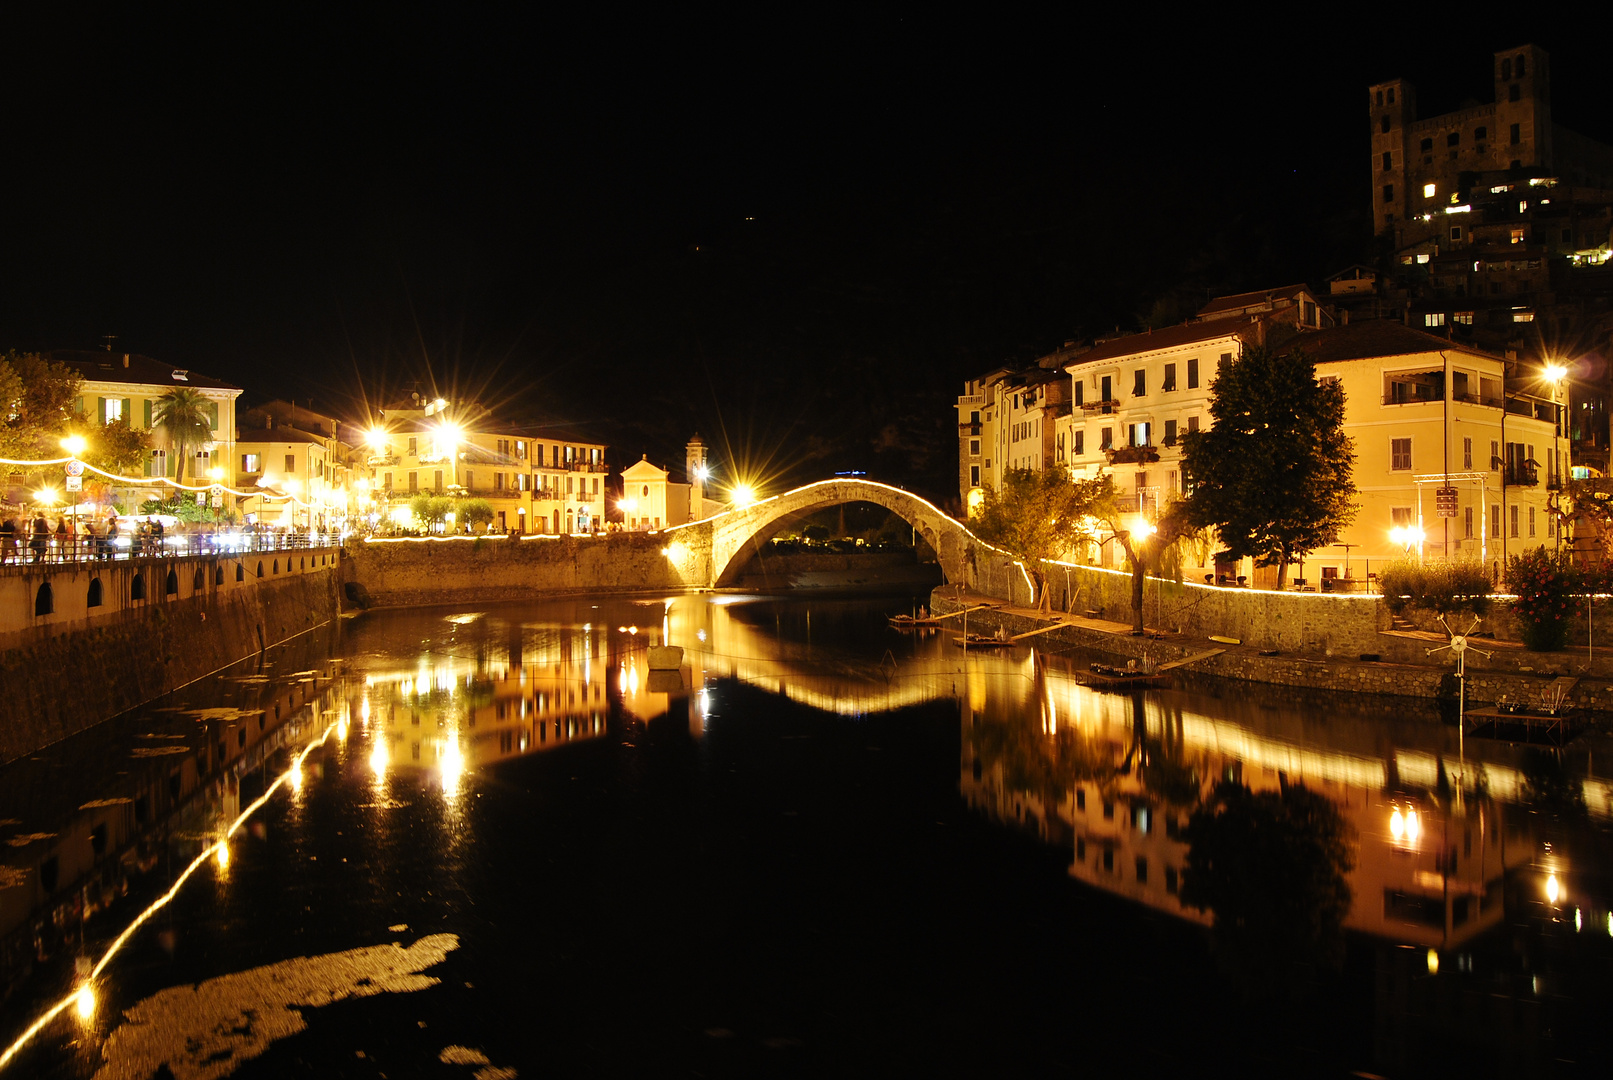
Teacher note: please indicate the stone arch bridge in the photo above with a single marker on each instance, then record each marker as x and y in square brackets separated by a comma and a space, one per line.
[710, 553]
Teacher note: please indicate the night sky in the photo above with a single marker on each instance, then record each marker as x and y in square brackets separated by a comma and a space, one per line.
[796, 232]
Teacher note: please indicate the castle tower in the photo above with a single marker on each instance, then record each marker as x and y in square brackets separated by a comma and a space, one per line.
[1523, 108]
[695, 471]
[1393, 107]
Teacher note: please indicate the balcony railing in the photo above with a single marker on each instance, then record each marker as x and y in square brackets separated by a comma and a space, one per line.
[1108, 405]
[126, 545]
[1520, 476]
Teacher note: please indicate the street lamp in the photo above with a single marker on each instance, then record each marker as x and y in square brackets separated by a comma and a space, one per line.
[74, 444]
[1407, 536]
[742, 495]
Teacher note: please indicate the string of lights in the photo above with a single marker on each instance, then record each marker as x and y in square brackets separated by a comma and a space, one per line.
[138, 481]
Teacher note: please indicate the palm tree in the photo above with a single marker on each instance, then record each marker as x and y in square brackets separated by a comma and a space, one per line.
[184, 415]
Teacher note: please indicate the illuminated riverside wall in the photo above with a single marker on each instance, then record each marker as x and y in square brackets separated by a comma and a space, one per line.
[121, 633]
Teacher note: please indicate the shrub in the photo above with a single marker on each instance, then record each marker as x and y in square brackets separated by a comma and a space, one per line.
[1441, 587]
[1543, 584]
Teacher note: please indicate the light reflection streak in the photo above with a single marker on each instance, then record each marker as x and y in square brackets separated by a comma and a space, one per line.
[209, 852]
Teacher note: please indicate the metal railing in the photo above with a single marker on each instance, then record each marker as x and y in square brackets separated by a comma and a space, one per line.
[57, 550]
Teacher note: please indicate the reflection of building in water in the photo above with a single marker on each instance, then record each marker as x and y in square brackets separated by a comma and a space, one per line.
[548, 691]
[168, 775]
[1115, 779]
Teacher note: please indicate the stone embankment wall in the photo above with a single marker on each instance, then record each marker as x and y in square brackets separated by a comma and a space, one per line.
[487, 570]
[1512, 673]
[830, 570]
[79, 665]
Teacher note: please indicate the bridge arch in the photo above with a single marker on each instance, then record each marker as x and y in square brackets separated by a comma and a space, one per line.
[732, 532]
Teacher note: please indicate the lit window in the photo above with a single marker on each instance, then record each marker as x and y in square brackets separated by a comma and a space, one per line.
[1428, 191]
[1434, 318]
[1463, 317]
[1523, 316]
[1422, 260]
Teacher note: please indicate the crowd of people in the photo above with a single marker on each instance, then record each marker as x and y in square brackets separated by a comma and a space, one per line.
[33, 540]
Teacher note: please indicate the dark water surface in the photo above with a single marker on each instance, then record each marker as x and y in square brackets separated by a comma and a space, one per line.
[822, 848]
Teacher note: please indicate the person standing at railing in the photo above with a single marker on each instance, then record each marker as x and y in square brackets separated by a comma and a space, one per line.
[109, 543]
[64, 538]
[41, 538]
[156, 538]
[8, 540]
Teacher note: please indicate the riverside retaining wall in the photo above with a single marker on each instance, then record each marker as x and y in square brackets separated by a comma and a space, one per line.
[79, 665]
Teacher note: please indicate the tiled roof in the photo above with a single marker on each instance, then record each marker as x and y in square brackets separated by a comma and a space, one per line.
[279, 435]
[97, 366]
[1224, 304]
[1378, 337]
[1169, 338]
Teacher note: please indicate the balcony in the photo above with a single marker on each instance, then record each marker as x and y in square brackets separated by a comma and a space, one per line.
[1133, 455]
[1520, 476]
[545, 495]
[381, 461]
[1106, 406]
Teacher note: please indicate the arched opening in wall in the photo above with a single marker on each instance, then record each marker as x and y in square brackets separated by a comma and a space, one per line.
[137, 587]
[170, 585]
[199, 581]
[240, 571]
[260, 568]
[93, 597]
[44, 600]
[853, 543]
[218, 575]
[302, 564]
[276, 566]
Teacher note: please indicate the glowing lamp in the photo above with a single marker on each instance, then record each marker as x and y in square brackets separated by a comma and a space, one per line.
[1555, 372]
[74, 444]
[742, 495]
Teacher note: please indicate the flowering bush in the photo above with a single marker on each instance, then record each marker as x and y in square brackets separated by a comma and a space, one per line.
[1544, 584]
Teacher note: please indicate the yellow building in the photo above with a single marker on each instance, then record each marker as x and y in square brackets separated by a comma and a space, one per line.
[537, 481]
[131, 387]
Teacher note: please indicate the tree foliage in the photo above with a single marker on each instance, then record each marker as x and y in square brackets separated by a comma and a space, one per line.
[1273, 472]
[37, 399]
[1543, 583]
[1442, 587]
[475, 511]
[184, 415]
[1039, 515]
[1272, 866]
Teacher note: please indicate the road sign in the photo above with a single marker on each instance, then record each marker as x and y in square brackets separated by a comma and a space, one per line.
[1445, 501]
[75, 468]
[75, 483]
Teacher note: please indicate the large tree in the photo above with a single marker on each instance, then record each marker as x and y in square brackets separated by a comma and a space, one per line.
[185, 416]
[1273, 472]
[37, 397]
[1040, 514]
[1143, 541]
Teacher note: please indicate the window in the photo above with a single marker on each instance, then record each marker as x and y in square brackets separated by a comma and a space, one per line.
[1516, 135]
[1520, 66]
[1108, 440]
[1456, 232]
[1495, 519]
[1080, 393]
[1513, 515]
[1506, 69]
[414, 482]
[386, 481]
[1434, 318]
[1080, 443]
[1400, 454]
[1480, 133]
[1465, 318]
[1170, 378]
[1192, 423]
[1388, 158]
[157, 463]
[974, 447]
[1426, 144]
[1380, 97]
[414, 449]
[1388, 193]
[251, 463]
[974, 476]
[1310, 313]
[1139, 383]
[1495, 459]
[1467, 522]
[1401, 516]
[1391, 95]
[1383, 125]
[1454, 139]
[1138, 434]
[291, 463]
[1531, 521]
[1467, 453]
[1170, 433]
[1058, 447]
[1193, 373]
[1514, 93]
[1428, 189]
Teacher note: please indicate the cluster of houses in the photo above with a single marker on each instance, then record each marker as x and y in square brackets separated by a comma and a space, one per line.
[340, 473]
[1460, 453]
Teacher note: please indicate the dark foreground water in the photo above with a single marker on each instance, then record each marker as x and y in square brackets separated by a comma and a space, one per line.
[822, 848]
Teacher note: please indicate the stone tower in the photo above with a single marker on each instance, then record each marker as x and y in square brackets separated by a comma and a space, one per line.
[694, 464]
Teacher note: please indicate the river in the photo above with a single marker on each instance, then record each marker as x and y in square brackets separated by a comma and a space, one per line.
[490, 842]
